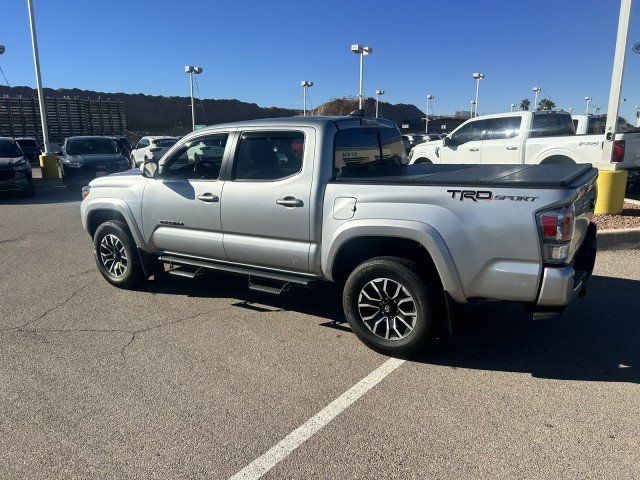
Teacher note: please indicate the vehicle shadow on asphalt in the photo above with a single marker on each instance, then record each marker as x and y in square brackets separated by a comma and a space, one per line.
[597, 339]
[44, 195]
[323, 301]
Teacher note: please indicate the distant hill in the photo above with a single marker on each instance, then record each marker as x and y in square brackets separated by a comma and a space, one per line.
[400, 113]
[149, 114]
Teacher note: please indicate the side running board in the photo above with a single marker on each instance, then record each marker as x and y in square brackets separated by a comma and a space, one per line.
[256, 274]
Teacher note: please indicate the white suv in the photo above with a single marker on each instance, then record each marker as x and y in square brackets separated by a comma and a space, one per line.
[151, 148]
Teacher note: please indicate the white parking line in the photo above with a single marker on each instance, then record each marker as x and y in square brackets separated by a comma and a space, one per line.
[288, 444]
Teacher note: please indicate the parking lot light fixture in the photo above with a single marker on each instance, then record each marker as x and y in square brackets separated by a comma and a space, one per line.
[587, 99]
[378, 93]
[36, 63]
[478, 77]
[305, 84]
[536, 91]
[362, 51]
[426, 120]
[191, 71]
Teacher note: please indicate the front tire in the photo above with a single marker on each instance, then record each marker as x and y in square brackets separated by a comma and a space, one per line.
[117, 256]
[389, 306]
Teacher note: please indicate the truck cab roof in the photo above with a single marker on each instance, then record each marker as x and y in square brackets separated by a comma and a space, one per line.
[340, 122]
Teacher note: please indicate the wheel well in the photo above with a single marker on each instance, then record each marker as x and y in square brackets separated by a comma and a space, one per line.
[98, 217]
[360, 249]
[423, 160]
[557, 160]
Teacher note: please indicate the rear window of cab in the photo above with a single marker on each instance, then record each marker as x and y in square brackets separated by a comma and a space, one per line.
[367, 151]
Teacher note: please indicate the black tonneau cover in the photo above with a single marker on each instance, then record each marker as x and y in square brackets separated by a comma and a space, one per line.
[478, 175]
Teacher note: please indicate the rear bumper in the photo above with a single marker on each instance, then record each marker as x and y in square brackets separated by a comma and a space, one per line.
[561, 285]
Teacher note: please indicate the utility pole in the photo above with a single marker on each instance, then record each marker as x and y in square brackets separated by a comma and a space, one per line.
[612, 182]
[478, 77]
[587, 99]
[536, 91]
[378, 93]
[305, 84]
[362, 51]
[426, 120]
[191, 71]
[36, 63]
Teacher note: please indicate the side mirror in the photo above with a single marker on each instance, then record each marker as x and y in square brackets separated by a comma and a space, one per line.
[447, 141]
[149, 169]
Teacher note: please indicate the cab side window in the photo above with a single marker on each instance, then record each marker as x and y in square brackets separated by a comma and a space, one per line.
[268, 156]
[198, 159]
[467, 133]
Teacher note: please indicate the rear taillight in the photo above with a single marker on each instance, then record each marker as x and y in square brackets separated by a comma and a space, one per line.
[618, 151]
[556, 231]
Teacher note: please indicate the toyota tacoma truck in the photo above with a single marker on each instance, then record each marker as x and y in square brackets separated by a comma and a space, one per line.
[538, 137]
[298, 201]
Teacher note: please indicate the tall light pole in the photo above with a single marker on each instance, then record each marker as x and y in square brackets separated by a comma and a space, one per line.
[362, 51]
[637, 115]
[536, 91]
[588, 99]
[426, 120]
[191, 71]
[378, 93]
[478, 77]
[305, 84]
[473, 104]
[513, 107]
[36, 63]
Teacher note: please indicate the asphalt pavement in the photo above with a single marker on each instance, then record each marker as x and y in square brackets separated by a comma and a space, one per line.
[199, 378]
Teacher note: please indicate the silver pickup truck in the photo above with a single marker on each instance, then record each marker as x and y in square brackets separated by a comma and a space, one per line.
[296, 201]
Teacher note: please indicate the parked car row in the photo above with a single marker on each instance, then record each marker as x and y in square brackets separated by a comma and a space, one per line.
[15, 171]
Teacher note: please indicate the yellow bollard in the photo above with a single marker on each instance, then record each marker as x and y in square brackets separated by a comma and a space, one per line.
[612, 185]
[49, 165]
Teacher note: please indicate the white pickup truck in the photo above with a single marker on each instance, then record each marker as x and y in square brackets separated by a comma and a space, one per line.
[539, 137]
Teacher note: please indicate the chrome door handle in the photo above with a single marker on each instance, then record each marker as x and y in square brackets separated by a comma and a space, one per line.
[208, 197]
[474, 149]
[290, 202]
[512, 148]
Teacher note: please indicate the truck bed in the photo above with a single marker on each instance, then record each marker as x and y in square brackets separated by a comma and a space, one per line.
[524, 176]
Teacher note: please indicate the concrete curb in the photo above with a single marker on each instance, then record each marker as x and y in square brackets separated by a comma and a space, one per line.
[619, 239]
[631, 200]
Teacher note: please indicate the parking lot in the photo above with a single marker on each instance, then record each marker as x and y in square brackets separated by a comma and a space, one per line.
[197, 379]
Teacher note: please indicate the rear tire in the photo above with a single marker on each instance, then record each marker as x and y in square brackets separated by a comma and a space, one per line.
[407, 303]
[117, 255]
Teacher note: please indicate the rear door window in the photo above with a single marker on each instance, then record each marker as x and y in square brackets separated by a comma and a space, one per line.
[552, 125]
[502, 128]
[268, 156]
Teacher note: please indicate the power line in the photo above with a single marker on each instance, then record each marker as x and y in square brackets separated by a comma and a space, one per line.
[5, 77]
[204, 115]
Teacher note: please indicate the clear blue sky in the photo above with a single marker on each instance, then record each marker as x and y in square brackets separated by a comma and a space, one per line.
[258, 51]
